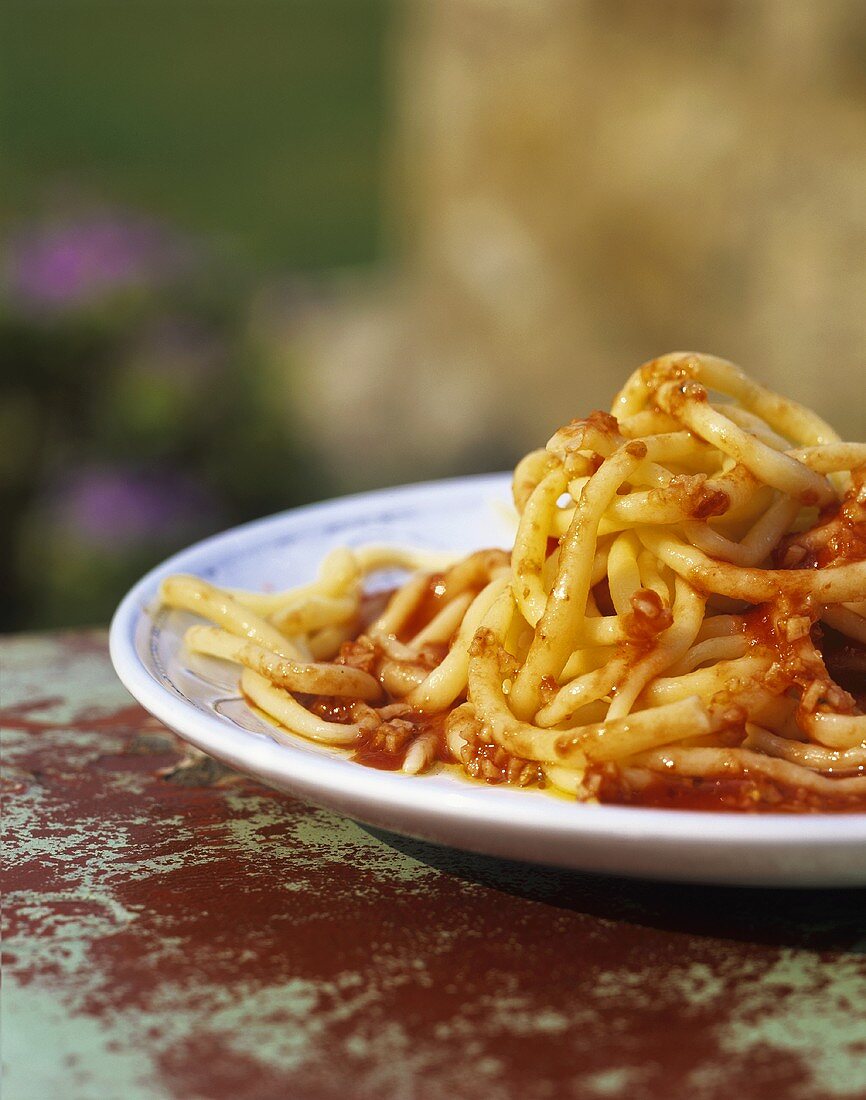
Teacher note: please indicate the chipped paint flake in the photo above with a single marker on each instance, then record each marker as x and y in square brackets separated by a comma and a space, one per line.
[806, 1005]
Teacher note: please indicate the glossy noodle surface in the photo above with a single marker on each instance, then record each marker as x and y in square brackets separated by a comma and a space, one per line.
[680, 622]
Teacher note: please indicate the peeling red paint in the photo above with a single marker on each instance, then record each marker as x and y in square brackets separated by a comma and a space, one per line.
[249, 946]
[21, 717]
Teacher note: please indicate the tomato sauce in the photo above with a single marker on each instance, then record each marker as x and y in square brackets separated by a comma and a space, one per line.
[385, 747]
[386, 752]
[744, 794]
[431, 603]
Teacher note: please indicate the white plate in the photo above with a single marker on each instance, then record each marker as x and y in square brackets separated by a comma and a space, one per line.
[197, 697]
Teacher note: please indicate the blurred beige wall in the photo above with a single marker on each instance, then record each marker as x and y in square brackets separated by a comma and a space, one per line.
[579, 186]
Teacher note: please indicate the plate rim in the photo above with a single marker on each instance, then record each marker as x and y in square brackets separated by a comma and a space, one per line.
[309, 773]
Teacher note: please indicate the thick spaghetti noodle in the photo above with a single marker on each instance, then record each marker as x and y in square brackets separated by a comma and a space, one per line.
[681, 620]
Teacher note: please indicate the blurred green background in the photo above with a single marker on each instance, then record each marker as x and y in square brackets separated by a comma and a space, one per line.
[163, 160]
[259, 252]
[257, 122]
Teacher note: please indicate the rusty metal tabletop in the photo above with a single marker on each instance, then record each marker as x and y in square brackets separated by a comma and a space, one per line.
[174, 930]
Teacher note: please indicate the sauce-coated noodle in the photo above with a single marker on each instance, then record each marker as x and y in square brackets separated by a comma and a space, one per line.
[682, 567]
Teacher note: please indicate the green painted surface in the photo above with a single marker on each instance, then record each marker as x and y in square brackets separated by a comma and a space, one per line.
[172, 940]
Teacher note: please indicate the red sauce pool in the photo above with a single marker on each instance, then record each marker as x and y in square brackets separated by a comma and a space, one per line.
[728, 795]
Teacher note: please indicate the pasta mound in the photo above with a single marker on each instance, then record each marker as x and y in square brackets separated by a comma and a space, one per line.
[681, 619]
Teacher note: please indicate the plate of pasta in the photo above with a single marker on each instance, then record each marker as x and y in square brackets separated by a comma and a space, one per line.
[642, 653]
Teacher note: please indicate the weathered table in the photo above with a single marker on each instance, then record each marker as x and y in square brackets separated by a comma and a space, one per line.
[175, 930]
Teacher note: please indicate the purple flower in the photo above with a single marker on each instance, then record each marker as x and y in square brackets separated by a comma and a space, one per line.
[119, 509]
[72, 265]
